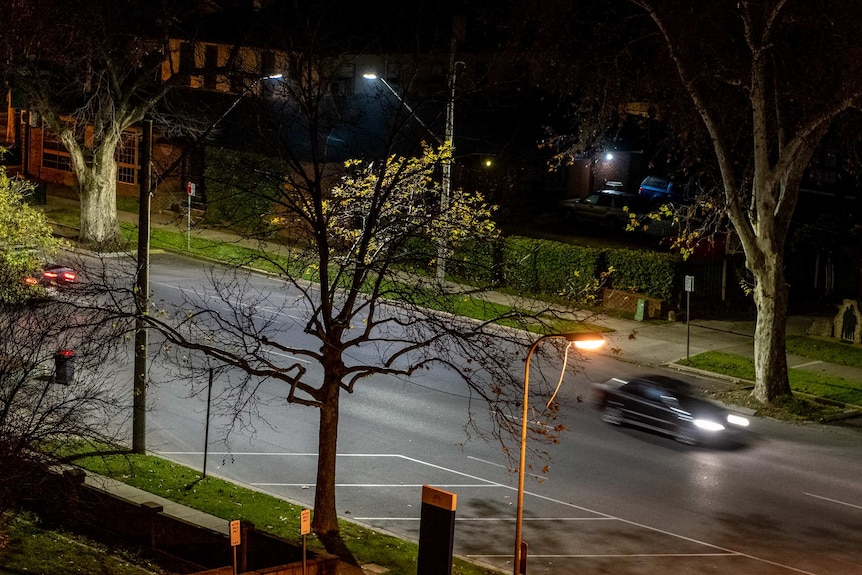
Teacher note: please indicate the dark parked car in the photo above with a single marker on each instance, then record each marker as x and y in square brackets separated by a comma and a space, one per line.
[669, 406]
[655, 190]
[608, 208]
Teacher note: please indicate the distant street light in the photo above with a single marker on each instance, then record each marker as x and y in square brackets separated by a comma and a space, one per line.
[142, 283]
[446, 180]
[582, 341]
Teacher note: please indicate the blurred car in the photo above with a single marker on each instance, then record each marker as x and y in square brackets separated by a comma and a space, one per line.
[668, 406]
[53, 277]
[609, 208]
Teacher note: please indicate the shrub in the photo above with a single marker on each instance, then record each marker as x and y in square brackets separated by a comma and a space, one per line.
[652, 273]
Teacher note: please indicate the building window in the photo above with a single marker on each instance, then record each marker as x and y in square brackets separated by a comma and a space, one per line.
[54, 154]
[127, 158]
[211, 67]
[342, 84]
[187, 59]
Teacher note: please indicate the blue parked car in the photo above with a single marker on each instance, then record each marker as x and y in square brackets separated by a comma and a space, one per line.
[655, 190]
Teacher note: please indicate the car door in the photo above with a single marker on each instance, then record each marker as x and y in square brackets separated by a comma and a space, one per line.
[632, 398]
[586, 209]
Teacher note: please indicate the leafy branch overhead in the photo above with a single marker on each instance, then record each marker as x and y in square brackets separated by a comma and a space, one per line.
[399, 200]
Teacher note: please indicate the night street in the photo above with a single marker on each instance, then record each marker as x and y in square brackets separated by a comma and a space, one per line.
[613, 499]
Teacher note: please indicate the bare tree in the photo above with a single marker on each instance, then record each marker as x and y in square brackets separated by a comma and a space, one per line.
[355, 244]
[56, 385]
[741, 93]
[89, 70]
[794, 69]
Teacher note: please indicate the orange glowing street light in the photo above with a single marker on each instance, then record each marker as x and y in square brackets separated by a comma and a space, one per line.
[582, 341]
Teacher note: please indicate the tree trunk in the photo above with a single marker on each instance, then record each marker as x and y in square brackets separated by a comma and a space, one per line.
[98, 188]
[325, 520]
[770, 354]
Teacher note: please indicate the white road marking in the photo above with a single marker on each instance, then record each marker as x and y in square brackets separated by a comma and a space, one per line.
[834, 501]
[724, 551]
[506, 467]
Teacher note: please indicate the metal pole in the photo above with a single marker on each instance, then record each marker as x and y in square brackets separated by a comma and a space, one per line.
[142, 289]
[584, 341]
[446, 183]
[207, 428]
[523, 457]
[189, 222]
[687, 323]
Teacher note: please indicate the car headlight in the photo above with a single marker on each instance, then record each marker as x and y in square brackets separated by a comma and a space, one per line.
[708, 425]
[737, 420]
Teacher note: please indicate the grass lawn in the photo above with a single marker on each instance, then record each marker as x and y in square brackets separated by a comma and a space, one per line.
[231, 501]
[27, 548]
[807, 382]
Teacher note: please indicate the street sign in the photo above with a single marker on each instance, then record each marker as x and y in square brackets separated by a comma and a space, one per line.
[689, 284]
[190, 189]
[305, 522]
[234, 533]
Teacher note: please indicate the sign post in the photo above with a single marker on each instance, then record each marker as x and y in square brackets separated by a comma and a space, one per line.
[234, 540]
[689, 287]
[304, 529]
[190, 191]
[436, 531]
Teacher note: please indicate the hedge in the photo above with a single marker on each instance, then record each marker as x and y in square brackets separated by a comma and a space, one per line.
[655, 274]
[549, 268]
[541, 267]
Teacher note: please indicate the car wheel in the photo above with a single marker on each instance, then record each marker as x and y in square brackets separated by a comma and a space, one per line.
[686, 435]
[612, 415]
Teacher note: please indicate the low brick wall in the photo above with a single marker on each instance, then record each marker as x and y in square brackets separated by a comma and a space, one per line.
[179, 545]
[627, 302]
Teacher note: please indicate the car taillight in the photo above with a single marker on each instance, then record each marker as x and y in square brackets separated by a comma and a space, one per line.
[50, 275]
[69, 276]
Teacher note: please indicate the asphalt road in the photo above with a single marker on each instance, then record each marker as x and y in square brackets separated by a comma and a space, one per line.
[613, 500]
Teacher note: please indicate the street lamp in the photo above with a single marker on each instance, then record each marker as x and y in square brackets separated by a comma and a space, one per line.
[446, 180]
[582, 341]
[142, 283]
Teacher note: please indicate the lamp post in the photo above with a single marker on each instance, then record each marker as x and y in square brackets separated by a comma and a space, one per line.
[583, 341]
[449, 139]
[142, 283]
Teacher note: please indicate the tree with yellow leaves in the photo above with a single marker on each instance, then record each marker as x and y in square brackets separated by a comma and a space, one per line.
[26, 239]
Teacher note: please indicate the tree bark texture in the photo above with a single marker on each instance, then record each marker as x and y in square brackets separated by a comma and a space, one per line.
[97, 186]
[770, 332]
[325, 520]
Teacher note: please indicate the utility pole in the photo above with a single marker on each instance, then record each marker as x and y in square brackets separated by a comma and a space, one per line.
[142, 295]
[446, 183]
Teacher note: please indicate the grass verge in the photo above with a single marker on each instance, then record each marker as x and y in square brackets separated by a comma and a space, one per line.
[230, 501]
[813, 388]
[27, 548]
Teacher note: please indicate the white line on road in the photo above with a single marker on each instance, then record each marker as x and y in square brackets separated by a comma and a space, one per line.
[491, 519]
[533, 555]
[834, 501]
[506, 467]
[490, 483]
[411, 485]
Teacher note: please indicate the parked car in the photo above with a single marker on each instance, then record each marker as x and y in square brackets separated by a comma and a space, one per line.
[669, 406]
[609, 208]
[655, 190]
